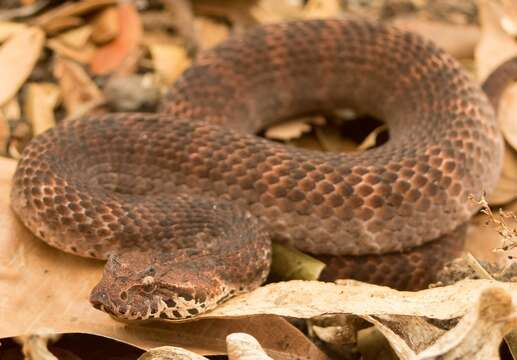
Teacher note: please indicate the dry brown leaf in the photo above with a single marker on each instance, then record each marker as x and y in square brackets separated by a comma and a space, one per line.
[242, 346]
[479, 333]
[77, 37]
[169, 60]
[271, 11]
[40, 101]
[80, 94]
[181, 16]
[407, 335]
[170, 353]
[106, 26]
[371, 139]
[62, 24]
[320, 9]
[458, 40]
[112, 55]
[339, 332]
[18, 56]
[4, 135]
[11, 110]
[8, 29]
[331, 140]
[506, 188]
[239, 13]
[495, 45]
[288, 130]
[82, 55]
[64, 16]
[210, 32]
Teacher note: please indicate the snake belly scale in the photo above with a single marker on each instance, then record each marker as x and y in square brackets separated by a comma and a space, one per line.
[184, 203]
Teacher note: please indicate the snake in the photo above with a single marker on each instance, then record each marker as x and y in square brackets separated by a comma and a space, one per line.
[184, 203]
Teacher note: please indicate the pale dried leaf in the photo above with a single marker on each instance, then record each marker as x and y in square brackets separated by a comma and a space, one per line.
[320, 9]
[371, 139]
[288, 130]
[78, 37]
[242, 346]
[238, 12]
[170, 353]
[34, 347]
[80, 94]
[458, 40]
[40, 101]
[62, 24]
[210, 32]
[169, 60]
[8, 29]
[331, 140]
[408, 335]
[4, 135]
[509, 18]
[82, 55]
[305, 299]
[271, 11]
[69, 10]
[112, 55]
[11, 110]
[479, 333]
[18, 56]
[495, 45]
[506, 115]
[106, 26]
[339, 331]
[181, 15]
[506, 188]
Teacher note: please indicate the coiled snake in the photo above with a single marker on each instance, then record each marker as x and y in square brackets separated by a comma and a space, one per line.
[184, 203]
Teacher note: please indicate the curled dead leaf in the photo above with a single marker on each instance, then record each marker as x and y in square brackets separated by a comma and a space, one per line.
[109, 57]
[288, 130]
[8, 29]
[106, 26]
[40, 101]
[479, 333]
[59, 18]
[242, 346]
[80, 93]
[169, 60]
[18, 56]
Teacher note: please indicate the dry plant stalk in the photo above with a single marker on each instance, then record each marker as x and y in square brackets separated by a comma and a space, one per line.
[507, 233]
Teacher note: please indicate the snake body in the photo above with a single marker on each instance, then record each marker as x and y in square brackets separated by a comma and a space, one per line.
[184, 203]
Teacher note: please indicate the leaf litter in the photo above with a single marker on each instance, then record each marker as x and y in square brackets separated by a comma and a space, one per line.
[98, 55]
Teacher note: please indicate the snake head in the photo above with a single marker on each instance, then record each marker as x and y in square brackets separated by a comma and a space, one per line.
[144, 285]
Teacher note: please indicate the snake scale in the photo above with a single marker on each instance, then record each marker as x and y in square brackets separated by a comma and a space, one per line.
[184, 203]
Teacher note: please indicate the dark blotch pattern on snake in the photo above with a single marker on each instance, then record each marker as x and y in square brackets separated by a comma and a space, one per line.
[183, 203]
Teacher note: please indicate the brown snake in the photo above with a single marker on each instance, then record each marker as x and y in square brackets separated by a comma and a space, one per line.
[184, 203]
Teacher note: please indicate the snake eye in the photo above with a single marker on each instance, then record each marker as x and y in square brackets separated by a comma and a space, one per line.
[150, 270]
[123, 295]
